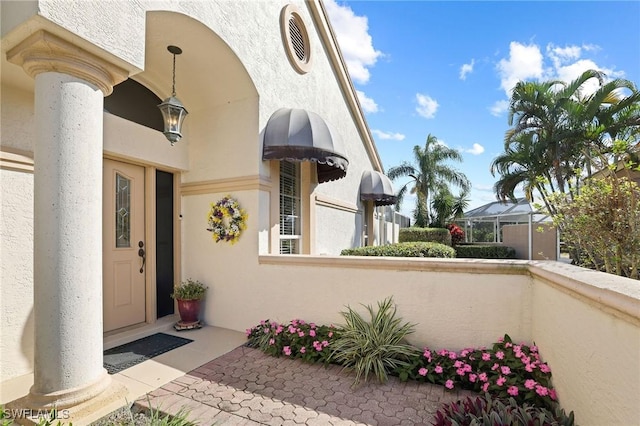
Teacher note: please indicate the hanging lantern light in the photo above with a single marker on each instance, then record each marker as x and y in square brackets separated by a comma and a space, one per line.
[173, 112]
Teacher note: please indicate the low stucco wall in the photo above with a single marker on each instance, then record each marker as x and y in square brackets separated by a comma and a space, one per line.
[586, 323]
[455, 303]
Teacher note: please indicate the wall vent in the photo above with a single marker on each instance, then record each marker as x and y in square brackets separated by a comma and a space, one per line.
[295, 38]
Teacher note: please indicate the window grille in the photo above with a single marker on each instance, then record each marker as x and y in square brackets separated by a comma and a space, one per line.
[289, 207]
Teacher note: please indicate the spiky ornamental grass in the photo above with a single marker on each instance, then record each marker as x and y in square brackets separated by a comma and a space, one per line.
[376, 347]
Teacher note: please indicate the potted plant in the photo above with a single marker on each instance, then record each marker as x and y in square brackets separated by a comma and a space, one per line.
[189, 293]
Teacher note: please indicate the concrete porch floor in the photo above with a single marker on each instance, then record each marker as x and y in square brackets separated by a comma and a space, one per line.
[221, 382]
[208, 343]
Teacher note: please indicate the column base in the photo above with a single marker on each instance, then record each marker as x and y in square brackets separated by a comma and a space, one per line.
[76, 406]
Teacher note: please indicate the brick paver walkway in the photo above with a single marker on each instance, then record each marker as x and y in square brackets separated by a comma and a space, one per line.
[247, 387]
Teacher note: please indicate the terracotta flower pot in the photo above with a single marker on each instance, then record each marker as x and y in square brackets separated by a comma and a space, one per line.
[189, 310]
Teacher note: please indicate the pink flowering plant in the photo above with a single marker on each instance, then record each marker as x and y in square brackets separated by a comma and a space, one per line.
[296, 339]
[507, 370]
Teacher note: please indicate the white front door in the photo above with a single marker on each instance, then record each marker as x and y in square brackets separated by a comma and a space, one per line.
[123, 245]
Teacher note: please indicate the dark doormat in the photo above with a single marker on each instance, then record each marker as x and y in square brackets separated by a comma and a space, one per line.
[127, 355]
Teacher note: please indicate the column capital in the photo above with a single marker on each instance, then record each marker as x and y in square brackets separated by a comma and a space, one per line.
[46, 52]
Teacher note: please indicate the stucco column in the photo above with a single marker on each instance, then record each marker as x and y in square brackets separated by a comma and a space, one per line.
[70, 84]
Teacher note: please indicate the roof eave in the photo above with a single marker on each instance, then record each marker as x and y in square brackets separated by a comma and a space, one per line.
[323, 24]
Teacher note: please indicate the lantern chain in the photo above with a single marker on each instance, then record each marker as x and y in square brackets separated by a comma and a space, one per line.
[173, 87]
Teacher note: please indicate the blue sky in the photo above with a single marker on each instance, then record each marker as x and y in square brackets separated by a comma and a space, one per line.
[446, 68]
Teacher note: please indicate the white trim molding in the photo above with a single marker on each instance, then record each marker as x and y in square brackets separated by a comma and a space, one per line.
[241, 183]
[45, 52]
[323, 200]
[17, 161]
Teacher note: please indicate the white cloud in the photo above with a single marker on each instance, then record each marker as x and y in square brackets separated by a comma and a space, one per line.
[499, 107]
[591, 47]
[427, 106]
[572, 71]
[568, 64]
[477, 149]
[524, 63]
[356, 44]
[484, 188]
[387, 135]
[565, 54]
[367, 104]
[466, 69]
[564, 63]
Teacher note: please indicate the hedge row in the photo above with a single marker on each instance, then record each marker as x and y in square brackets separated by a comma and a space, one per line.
[436, 235]
[478, 251]
[411, 249]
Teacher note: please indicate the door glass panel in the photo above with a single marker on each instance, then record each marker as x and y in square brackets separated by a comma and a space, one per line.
[123, 211]
[164, 243]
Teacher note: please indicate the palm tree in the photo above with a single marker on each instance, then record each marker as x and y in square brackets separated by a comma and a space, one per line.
[536, 114]
[558, 133]
[525, 164]
[447, 207]
[607, 116]
[428, 173]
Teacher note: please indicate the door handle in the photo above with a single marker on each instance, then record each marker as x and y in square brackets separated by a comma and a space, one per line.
[142, 254]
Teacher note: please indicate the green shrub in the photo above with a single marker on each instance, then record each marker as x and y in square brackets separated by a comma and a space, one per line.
[415, 249]
[436, 235]
[603, 222]
[485, 251]
[485, 411]
[376, 347]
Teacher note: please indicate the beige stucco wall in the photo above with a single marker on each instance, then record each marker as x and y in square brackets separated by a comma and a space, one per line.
[223, 142]
[220, 265]
[16, 273]
[16, 235]
[337, 229]
[16, 118]
[126, 140]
